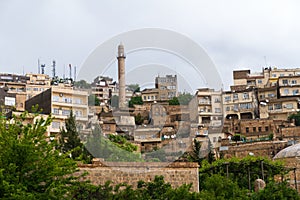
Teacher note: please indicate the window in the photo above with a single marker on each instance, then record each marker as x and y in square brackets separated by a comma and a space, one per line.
[270, 107]
[78, 113]
[217, 110]
[144, 98]
[227, 108]
[217, 100]
[277, 106]
[286, 91]
[55, 98]
[214, 139]
[68, 100]
[66, 112]
[236, 107]
[55, 111]
[274, 75]
[247, 129]
[246, 96]
[259, 129]
[245, 105]
[284, 81]
[259, 81]
[235, 96]
[266, 129]
[271, 95]
[78, 101]
[289, 106]
[295, 92]
[281, 75]
[254, 129]
[55, 125]
[227, 98]
[294, 82]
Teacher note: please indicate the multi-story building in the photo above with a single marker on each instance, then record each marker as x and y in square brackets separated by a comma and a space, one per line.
[59, 101]
[240, 104]
[7, 101]
[16, 84]
[289, 86]
[246, 79]
[103, 87]
[210, 110]
[167, 87]
[36, 84]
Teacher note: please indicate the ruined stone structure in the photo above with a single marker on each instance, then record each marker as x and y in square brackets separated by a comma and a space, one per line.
[176, 173]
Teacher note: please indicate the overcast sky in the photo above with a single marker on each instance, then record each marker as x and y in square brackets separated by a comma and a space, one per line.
[235, 34]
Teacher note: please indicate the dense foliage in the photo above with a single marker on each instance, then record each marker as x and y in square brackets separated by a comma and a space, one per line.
[156, 189]
[30, 167]
[239, 170]
[295, 117]
[69, 141]
[93, 100]
[135, 101]
[82, 84]
[182, 99]
[134, 88]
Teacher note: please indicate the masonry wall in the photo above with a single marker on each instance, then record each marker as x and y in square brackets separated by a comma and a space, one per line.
[240, 150]
[176, 173]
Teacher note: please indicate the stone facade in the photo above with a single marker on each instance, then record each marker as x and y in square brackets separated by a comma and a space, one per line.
[240, 150]
[176, 173]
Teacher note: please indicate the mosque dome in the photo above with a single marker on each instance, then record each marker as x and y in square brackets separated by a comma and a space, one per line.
[289, 152]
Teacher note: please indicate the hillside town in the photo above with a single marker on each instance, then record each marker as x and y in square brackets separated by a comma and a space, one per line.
[254, 117]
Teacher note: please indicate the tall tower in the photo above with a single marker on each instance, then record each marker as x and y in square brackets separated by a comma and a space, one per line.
[121, 73]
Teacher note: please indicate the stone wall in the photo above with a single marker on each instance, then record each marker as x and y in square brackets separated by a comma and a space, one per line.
[176, 173]
[267, 149]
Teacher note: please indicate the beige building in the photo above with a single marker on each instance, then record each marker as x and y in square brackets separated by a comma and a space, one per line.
[167, 87]
[289, 86]
[103, 88]
[240, 104]
[210, 110]
[150, 95]
[59, 101]
[36, 84]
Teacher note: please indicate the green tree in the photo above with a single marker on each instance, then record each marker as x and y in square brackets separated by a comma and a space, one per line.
[138, 119]
[30, 167]
[220, 187]
[278, 191]
[295, 117]
[174, 101]
[93, 100]
[135, 101]
[82, 84]
[134, 88]
[184, 98]
[69, 141]
[238, 169]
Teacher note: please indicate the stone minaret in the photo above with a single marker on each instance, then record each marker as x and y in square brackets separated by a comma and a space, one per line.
[121, 73]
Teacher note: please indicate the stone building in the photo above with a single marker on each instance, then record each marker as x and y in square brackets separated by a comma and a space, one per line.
[167, 87]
